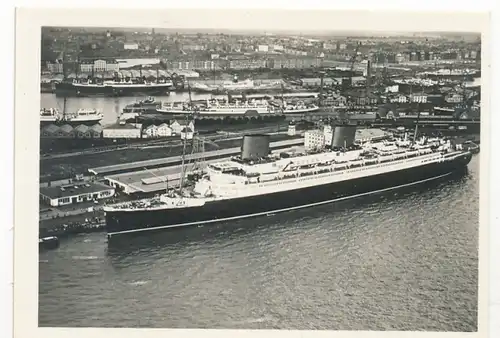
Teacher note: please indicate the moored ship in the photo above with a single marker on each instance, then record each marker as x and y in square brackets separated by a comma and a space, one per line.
[81, 116]
[148, 105]
[216, 107]
[258, 183]
[237, 108]
[247, 85]
[114, 88]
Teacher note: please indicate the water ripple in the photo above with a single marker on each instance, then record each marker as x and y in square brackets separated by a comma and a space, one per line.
[398, 261]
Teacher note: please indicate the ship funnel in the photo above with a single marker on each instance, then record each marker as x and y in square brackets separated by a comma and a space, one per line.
[255, 147]
[343, 135]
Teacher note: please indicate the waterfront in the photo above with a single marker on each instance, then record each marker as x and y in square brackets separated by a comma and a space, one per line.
[405, 260]
[113, 107]
[110, 107]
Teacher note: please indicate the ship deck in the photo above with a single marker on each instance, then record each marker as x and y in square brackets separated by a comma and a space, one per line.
[154, 180]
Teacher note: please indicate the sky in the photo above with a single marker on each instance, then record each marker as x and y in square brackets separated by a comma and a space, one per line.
[310, 22]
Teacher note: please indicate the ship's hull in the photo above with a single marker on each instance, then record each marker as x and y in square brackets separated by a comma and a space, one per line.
[73, 122]
[126, 222]
[250, 111]
[70, 89]
[301, 110]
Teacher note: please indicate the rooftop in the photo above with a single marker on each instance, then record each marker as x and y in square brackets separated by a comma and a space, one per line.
[73, 190]
[123, 126]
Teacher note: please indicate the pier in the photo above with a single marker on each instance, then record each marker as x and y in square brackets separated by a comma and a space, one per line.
[176, 160]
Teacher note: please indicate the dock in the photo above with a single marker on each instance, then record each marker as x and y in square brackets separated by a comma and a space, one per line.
[176, 160]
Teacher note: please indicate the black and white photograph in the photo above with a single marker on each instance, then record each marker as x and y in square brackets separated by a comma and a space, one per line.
[265, 176]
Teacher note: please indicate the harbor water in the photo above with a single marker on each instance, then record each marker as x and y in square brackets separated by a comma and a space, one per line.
[402, 260]
[111, 108]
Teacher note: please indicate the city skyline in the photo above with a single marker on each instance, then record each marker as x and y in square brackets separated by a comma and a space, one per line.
[264, 32]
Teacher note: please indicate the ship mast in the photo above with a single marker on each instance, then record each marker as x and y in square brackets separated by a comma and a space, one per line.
[464, 91]
[77, 58]
[64, 76]
[63, 62]
[184, 143]
[64, 109]
[416, 126]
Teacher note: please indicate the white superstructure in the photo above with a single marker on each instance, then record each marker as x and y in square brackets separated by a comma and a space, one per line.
[124, 84]
[215, 107]
[81, 115]
[237, 179]
[247, 84]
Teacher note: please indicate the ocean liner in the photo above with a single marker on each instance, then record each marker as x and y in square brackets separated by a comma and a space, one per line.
[236, 86]
[237, 108]
[258, 183]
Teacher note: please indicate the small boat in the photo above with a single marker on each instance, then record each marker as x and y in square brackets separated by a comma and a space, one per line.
[48, 243]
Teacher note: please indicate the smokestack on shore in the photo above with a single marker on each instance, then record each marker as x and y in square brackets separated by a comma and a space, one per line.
[368, 74]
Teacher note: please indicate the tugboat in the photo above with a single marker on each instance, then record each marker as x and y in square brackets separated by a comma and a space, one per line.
[148, 105]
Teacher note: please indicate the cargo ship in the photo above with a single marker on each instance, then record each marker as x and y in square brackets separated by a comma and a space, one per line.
[113, 88]
[257, 183]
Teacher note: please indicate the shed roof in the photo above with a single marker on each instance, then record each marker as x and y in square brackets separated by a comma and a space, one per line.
[73, 190]
[82, 128]
[51, 128]
[124, 126]
[67, 128]
[96, 128]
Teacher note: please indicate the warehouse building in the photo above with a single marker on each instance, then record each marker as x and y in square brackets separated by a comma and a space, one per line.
[123, 130]
[75, 193]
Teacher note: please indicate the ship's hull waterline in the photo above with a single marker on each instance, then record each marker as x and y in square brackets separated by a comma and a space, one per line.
[129, 222]
[64, 89]
[239, 112]
[87, 122]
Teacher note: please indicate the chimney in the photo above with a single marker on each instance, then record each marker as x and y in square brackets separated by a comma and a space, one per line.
[368, 74]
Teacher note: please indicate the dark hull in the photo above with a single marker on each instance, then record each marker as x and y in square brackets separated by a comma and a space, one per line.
[464, 126]
[68, 89]
[71, 123]
[130, 222]
[48, 243]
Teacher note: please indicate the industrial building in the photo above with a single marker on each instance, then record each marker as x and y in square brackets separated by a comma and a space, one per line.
[123, 130]
[81, 131]
[75, 193]
[339, 136]
[314, 139]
